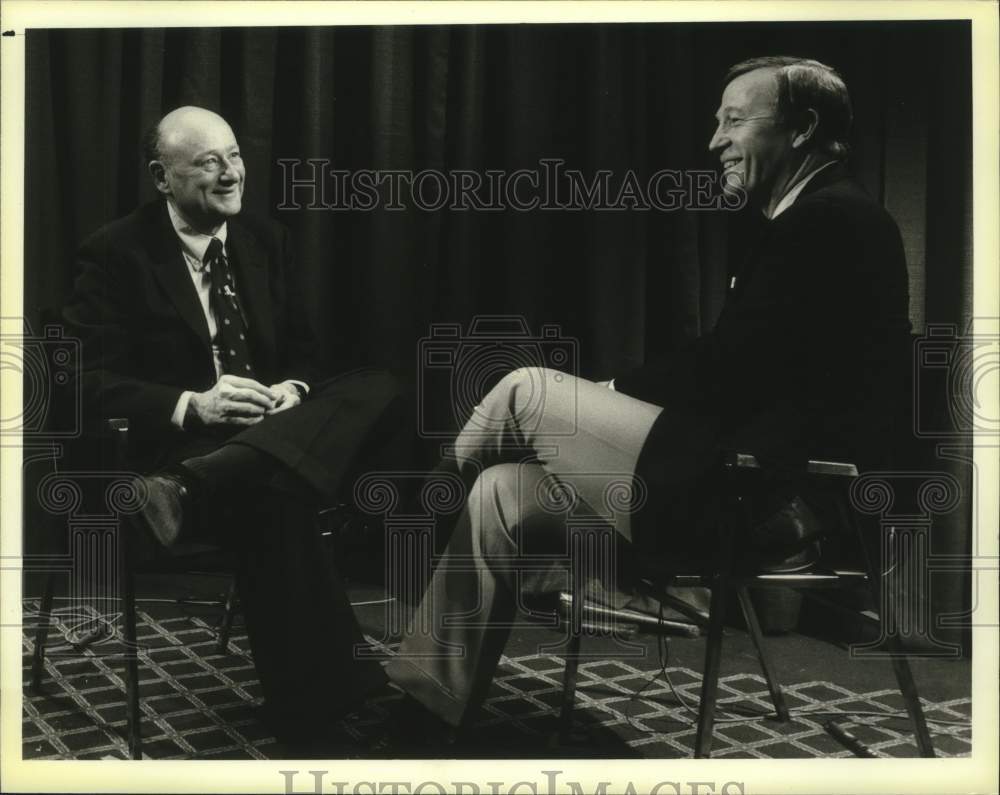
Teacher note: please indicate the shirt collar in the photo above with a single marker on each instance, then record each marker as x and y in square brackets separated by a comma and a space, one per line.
[193, 242]
[789, 198]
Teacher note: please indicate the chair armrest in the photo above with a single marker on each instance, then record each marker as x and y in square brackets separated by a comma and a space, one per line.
[117, 427]
[737, 460]
[742, 460]
[117, 424]
[843, 469]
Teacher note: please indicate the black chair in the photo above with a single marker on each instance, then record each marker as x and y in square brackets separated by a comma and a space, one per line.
[184, 558]
[739, 475]
[187, 559]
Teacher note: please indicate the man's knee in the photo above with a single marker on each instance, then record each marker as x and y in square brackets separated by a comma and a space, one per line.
[372, 382]
[382, 384]
[518, 389]
[521, 378]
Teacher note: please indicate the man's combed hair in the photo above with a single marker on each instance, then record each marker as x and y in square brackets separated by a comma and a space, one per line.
[805, 84]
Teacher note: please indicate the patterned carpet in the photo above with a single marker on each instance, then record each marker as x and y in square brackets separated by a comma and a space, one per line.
[198, 703]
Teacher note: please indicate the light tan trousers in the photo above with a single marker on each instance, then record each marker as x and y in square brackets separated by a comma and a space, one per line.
[549, 460]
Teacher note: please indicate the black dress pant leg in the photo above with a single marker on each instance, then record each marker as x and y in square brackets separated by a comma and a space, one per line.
[303, 633]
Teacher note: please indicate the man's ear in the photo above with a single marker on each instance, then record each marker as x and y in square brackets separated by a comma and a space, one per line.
[806, 128]
[159, 174]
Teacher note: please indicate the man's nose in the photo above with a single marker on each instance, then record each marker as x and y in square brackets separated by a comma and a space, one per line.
[719, 140]
[230, 172]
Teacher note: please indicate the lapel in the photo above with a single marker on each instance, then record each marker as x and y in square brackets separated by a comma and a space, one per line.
[164, 249]
[249, 262]
[825, 177]
[756, 239]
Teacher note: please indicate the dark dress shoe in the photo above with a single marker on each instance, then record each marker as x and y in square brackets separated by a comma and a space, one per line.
[414, 732]
[167, 511]
[788, 540]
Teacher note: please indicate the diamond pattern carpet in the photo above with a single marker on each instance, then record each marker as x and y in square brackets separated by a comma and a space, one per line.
[199, 703]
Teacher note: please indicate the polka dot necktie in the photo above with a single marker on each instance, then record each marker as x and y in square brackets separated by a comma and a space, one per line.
[229, 318]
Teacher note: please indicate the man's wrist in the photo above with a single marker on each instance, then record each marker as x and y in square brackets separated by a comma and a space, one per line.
[183, 410]
[301, 388]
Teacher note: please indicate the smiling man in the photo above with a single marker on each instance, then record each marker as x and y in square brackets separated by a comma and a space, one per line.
[196, 164]
[193, 329]
[199, 167]
[805, 361]
[780, 121]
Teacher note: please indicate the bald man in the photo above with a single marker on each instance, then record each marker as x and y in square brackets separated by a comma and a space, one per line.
[193, 328]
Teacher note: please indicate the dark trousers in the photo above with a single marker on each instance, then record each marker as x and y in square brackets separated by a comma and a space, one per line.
[303, 633]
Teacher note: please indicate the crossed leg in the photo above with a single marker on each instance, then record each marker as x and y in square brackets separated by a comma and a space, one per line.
[541, 445]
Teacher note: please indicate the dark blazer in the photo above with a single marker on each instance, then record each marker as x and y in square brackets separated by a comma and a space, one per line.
[808, 357]
[144, 335]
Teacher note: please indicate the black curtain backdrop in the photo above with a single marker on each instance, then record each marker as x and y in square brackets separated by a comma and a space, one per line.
[624, 285]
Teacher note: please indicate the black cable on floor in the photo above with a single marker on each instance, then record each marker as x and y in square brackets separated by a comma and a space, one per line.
[103, 625]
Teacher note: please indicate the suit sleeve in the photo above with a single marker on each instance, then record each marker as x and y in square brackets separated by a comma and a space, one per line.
[768, 336]
[101, 314]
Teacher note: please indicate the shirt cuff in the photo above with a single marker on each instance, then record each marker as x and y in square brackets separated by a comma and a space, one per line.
[180, 410]
[302, 385]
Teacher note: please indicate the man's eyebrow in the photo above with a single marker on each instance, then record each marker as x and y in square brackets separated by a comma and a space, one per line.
[214, 152]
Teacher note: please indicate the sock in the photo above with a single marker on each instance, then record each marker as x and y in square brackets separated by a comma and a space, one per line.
[229, 465]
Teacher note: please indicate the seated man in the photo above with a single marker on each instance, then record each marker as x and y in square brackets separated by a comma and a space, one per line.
[193, 328]
[800, 363]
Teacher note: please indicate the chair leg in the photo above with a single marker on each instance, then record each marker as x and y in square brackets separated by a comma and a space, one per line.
[569, 689]
[229, 612]
[131, 667]
[577, 590]
[908, 689]
[710, 674]
[900, 663]
[42, 632]
[753, 627]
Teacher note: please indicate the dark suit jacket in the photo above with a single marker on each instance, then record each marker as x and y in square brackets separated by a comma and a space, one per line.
[808, 357]
[144, 335]
[145, 341]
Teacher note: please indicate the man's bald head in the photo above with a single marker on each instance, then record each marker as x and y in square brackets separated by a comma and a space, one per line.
[195, 163]
[173, 127]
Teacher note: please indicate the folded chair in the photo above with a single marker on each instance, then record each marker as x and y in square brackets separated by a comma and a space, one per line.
[739, 475]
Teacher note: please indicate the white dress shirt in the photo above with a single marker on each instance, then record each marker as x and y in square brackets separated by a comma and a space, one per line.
[789, 198]
[194, 244]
